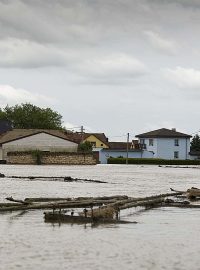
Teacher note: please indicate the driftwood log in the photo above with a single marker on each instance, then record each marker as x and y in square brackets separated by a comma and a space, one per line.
[49, 199]
[181, 205]
[191, 193]
[17, 201]
[56, 178]
[101, 207]
[39, 203]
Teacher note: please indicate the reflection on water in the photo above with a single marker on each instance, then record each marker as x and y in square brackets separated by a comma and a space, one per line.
[163, 238]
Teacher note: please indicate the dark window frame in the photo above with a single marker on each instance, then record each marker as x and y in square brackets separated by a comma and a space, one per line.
[151, 141]
[176, 154]
[176, 142]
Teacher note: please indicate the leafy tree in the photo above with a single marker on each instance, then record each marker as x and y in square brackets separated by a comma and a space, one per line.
[195, 143]
[2, 115]
[85, 147]
[30, 116]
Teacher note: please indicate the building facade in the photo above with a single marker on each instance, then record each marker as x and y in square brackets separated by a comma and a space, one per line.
[166, 144]
[98, 140]
[104, 154]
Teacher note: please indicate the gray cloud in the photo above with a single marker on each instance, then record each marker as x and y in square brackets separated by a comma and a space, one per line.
[11, 95]
[102, 57]
[184, 77]
[159, 43]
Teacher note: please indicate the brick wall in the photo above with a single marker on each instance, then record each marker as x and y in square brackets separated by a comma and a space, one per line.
[51, 158]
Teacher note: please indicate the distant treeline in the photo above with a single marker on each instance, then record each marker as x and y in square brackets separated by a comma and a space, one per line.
[155, 161]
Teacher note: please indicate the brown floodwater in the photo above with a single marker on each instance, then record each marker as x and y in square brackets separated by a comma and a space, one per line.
[163, 238]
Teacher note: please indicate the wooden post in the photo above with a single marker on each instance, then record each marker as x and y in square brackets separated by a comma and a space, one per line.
[127, 148]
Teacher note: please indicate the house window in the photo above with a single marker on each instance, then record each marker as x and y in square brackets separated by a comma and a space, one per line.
[150, 142]
[176, 142]
[93, 144]
[176, 154]
[142, 141]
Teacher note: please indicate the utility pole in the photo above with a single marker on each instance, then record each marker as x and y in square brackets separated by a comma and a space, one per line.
[82, 131]
[127, 148]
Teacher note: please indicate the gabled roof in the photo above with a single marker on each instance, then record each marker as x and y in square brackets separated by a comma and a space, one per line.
[17, 134]
[78, 137]
[163, 133]
[74, 136]
[101, 136]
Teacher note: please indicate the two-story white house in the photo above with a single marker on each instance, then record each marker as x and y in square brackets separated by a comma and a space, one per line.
[166, 143]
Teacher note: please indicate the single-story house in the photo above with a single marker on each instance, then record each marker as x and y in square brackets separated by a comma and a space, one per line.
[119, 149]
[20, 140]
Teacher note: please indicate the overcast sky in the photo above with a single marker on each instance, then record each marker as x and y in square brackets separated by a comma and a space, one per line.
[113, 66]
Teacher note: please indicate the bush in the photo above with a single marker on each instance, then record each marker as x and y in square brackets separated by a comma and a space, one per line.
[85, 147]
[154, 161]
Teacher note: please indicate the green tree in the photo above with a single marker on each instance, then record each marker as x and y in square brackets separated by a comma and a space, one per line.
[195, 143]
[30, 116]
[85, 147]
[2, 115]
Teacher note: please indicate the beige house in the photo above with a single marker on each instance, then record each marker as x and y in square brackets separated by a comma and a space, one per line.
[18, 140]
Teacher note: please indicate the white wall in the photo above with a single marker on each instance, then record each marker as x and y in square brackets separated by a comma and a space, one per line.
[41, 141]
[165, 148]
[104, 154]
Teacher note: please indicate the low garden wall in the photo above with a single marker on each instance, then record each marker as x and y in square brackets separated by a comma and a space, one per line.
[39, 157]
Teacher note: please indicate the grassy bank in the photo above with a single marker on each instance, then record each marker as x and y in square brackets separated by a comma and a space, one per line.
[153, 161]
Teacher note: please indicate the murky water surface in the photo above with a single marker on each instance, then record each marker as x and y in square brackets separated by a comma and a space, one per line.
[166, 238]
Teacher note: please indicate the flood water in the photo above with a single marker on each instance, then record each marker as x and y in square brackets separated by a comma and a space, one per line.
[163, 238]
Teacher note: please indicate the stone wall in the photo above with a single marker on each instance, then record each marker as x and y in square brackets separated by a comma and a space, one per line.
[45, 158]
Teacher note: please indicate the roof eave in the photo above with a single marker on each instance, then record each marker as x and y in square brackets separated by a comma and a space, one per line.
[163, 136]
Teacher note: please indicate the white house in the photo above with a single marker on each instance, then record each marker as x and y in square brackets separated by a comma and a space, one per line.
[166, 143]
[18, 140]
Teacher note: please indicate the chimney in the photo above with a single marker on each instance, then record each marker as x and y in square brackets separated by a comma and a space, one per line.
[173, 129]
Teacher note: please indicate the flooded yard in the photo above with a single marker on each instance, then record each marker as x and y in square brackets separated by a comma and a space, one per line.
[163, 238]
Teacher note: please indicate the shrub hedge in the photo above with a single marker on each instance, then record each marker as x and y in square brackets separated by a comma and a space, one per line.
[155, 161]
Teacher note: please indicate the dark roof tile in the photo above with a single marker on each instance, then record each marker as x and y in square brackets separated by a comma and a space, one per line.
[163, 133]
[17, 134]
[120, 145]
